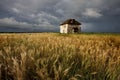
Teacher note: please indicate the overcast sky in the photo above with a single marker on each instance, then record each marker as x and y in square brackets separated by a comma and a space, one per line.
[46, 15]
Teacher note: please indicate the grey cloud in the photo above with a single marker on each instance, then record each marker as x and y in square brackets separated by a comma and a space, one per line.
[46, 15]
[11, 24]
[90, 12]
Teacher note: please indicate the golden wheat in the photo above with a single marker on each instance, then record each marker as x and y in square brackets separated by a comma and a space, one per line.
[54, 56]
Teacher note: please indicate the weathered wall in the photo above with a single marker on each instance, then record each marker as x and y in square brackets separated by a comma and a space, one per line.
[64, 28]
[69, 28]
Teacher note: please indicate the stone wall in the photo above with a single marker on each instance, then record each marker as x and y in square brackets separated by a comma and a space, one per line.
[69, 28]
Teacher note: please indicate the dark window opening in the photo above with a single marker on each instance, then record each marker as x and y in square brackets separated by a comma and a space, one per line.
[75, 30]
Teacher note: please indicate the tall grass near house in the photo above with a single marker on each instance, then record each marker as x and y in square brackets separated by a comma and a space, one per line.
[53, 56]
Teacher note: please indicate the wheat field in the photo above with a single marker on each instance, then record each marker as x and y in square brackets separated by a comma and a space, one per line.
[54, 56]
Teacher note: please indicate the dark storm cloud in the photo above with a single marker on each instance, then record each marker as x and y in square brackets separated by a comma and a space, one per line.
[46, 15]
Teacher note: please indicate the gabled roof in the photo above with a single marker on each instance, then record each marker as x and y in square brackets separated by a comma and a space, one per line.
[71, 22]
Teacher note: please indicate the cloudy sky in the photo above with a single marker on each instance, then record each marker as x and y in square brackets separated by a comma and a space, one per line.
[46, 15]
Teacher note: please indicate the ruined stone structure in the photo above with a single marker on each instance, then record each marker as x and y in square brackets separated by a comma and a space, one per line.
[70, 26]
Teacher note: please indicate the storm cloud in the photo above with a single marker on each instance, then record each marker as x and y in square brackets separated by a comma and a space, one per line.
[46, 15]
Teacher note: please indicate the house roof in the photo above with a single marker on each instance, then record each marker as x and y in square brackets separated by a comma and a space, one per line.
[71, 22]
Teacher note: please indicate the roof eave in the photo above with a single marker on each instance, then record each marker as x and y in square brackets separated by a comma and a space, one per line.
[72, 24]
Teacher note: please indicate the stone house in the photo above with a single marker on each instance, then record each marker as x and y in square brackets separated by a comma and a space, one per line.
[70, 26]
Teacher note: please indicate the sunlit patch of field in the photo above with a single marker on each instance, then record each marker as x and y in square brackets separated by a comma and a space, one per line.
[54, 56]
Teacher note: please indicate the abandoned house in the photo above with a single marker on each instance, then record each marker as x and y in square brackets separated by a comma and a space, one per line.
[70, 26]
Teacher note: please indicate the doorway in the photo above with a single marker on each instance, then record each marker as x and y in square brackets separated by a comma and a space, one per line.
[75, 30]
